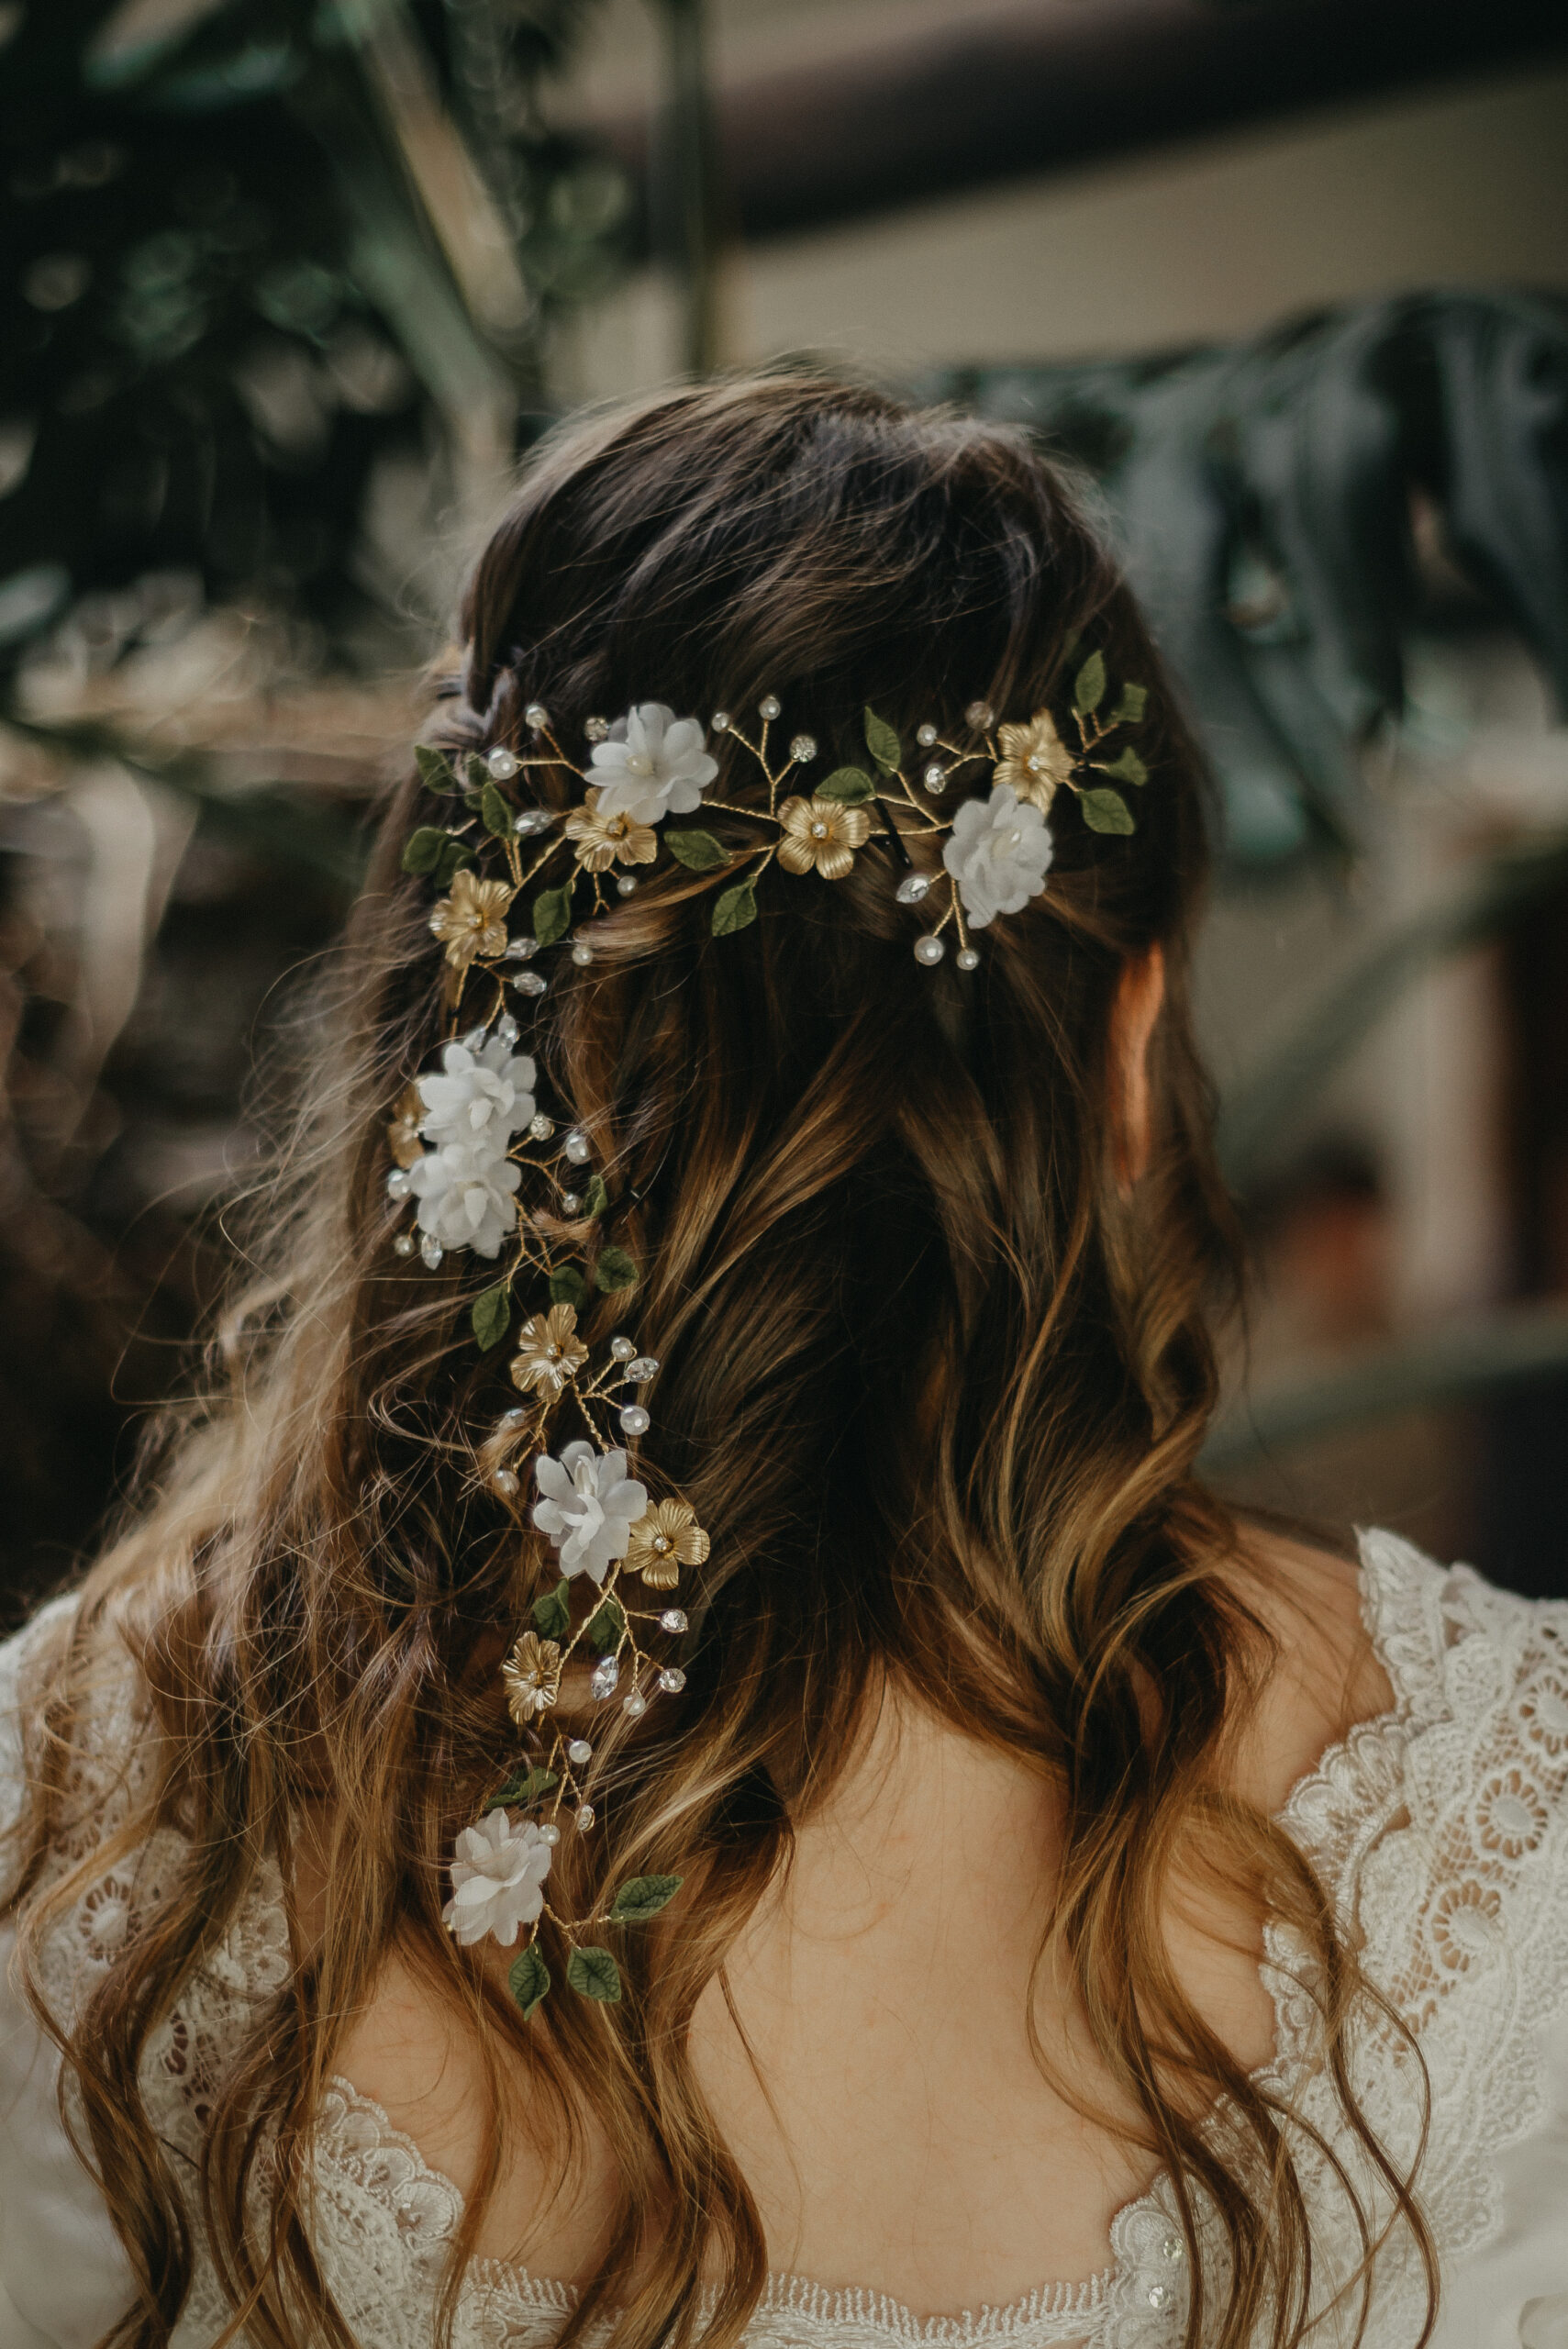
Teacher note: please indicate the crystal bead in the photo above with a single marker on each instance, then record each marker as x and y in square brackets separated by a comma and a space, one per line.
[404, 1244]
[579, 1753]
[803, 749]
[930, 950]
[397, 1184]
[549, 1832]
[604, 1678]
[431, 1251]
[967, 959]
[721, 721]
[541, 1127]
[584, 1816]
[531, 822]
[570, 1203]
[625, 883]
[1175, 2249]
[673, 1619]
[512, 1418]
[530, 983]
[621, 1350]
[768, 707]
[582, 954]
[476, 1039]
[536, 716]
[642, 1369]
[577, 1146]
[634, 1420]
[505, 1482]
[1158, 2295]
[936, 776]
[819, 831]
[597, 729]
[634, 1704]
[925, 736]
[672, 1680]
[507, 1029]
[980, 715]
[913, 888]
[502, 763]
[521, 949]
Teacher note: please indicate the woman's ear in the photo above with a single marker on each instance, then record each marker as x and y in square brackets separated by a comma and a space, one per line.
[1140, 994]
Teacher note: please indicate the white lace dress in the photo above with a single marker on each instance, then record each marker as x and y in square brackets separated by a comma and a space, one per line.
[1442, 1830]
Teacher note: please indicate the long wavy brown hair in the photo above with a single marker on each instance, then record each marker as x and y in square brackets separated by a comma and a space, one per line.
[934, 1376]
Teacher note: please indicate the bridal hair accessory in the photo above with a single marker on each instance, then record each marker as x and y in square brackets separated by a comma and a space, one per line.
[487, 1169]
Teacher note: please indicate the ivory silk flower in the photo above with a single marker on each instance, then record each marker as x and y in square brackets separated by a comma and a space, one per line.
[497, 1880]
[654, 765]
[484, 1095]
[998, 853]
[465, 1195]
[589, 1507]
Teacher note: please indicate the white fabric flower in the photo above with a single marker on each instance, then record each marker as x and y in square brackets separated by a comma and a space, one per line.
[483, 1095]
[998, 852]
[653, 766]
[589, 1507]
[464, 1192]
[498, 1879]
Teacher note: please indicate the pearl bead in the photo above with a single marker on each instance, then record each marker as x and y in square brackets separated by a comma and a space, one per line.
[803, 748]
[642, 1369]
[582, 954]
[579, 1753]
[397, 1184]
[505, 1482]
[925, 736]
[936, 776]
[721, 721]
[980, 715]
[549, 1833]
[578, 1148]
[819, 831]
[625, 883]
[967, 959]
[672, 1679]
[634, 1704]
[530, 983]
[597, 729]
[674, 1619]
[536, 716]
[541, 1127]
[521, 949]
[586, 1815]
[621, 1349]
[768, 707]
[404, 1244]
[569, 1203]
[634, 1420]
[502, 765]
[930, 950]
[913, 888]
[431, 1250]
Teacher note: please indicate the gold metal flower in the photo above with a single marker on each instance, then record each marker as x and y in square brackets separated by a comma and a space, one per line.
[473, 920]
[549, 1354]
[532, 1675]
[667, 1538]
[1035, 760]
[604, 840]
[821, 836]
[403, 1131]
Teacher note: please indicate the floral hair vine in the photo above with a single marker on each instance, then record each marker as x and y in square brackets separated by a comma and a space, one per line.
[485, 1168]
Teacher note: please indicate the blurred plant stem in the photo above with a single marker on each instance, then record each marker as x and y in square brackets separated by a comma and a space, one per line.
[687, 199]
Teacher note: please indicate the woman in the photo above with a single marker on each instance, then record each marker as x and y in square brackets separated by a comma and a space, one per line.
[679, 1721]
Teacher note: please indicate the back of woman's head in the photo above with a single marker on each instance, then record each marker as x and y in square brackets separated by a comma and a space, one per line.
[930, 1323]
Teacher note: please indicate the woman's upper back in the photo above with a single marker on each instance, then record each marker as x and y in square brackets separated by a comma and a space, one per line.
[1440, 1826]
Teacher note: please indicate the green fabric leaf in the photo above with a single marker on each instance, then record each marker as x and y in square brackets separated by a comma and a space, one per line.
[476, 772]
[615, 1270]
[1128, 765]
[594, 1974]
[1130, 706]
[552, 1612]
[491, 1314]
[495, 813]
[567, 1287]
[552, 915]
[1106, 811]
[882, 743]
[595, 1198]
[698, 851]
[455, 853]
[734, 909]
[528, 1980]
[437, 772]
[643, 1897]
[849, 785]
[1089, 689]
[518, 1793]
[422, 850]
[606, 1625]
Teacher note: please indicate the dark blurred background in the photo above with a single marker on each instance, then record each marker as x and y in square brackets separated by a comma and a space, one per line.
[287, 286]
